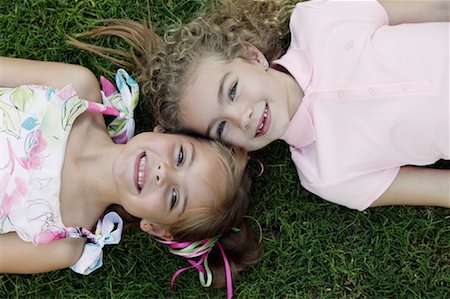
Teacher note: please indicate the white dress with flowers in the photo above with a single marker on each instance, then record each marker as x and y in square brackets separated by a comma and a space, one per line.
[35, 123]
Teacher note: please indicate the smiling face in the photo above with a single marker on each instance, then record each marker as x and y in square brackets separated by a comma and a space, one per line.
[160, 177]
[241, 102]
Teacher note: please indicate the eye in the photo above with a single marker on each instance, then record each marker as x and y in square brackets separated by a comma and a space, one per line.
[232, 92]
[180, 159]
[173, 198]
[220, 128]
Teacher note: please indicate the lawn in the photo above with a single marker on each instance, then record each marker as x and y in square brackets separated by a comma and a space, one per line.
[313, 249]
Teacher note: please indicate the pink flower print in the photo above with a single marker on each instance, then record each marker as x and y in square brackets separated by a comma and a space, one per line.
[4, 181]
[66, 93]
[35, 157]
[46, 237]
[21, 186]
[10, 164]
[8, 201]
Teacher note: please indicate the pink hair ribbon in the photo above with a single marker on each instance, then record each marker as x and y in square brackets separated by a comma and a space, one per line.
[261, 166]
[200, 249]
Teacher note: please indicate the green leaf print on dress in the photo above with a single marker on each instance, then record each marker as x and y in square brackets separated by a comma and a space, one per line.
[9, 119]
[22, 97]
[71, 109]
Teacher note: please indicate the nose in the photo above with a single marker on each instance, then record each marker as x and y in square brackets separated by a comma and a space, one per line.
[245, 117]
[162, 173]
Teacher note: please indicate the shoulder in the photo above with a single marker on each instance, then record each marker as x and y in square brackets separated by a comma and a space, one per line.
[85, 83]
[319, 27]
[58, 75]
[316, 14]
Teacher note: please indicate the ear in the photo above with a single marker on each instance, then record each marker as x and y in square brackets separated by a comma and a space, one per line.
[253, 54]
[156, 230]
[159, 129]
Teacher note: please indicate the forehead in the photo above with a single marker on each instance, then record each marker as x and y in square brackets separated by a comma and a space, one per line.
[206, 180]
[204, 76]
[199, 96]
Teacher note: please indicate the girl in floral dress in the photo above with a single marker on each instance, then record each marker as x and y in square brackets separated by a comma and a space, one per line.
[60, 171]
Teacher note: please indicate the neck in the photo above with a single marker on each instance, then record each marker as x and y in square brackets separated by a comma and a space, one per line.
[86, 182]
[94, 173]
[295, 96]
[295, 99]
[295, 93]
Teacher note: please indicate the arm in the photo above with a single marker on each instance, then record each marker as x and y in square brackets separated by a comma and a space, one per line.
[20, 257]
[15, 72]
[418, 187]
[416, 11]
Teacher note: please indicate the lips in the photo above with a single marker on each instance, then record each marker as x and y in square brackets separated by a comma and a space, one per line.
[140, 171]
[264, 122]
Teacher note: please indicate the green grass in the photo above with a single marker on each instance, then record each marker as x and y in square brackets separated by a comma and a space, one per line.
[313, 249]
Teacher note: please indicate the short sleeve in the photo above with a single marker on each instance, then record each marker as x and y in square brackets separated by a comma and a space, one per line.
[355, 193]
[314, 19]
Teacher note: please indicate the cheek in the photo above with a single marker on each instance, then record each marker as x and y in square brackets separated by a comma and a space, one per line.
[154, 202]
[234, 139]
[237, 137]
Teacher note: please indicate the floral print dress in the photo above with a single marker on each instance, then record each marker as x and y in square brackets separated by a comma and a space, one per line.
[35, 123]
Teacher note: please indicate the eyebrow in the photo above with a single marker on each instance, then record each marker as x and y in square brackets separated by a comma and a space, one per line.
[189, 165]
[222, 82]
[219, 99]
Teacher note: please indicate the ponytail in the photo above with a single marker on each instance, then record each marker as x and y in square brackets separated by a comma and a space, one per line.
[220, 258]
[242, 250]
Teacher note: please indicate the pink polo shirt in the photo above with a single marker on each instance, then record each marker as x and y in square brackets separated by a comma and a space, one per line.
[376, 98]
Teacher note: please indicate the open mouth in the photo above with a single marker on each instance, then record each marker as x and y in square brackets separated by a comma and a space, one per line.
[140, 172]
[264, 122]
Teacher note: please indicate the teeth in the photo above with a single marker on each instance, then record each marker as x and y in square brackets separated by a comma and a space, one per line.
[142, 164]
[262, 122]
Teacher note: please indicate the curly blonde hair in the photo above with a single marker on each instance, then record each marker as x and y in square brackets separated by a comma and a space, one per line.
[165, 63]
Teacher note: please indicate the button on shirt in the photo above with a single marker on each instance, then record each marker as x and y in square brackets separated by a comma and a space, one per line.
[376, 98]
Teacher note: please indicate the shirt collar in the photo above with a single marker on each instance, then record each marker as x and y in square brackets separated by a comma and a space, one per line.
[296, 61]
[300, 131]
